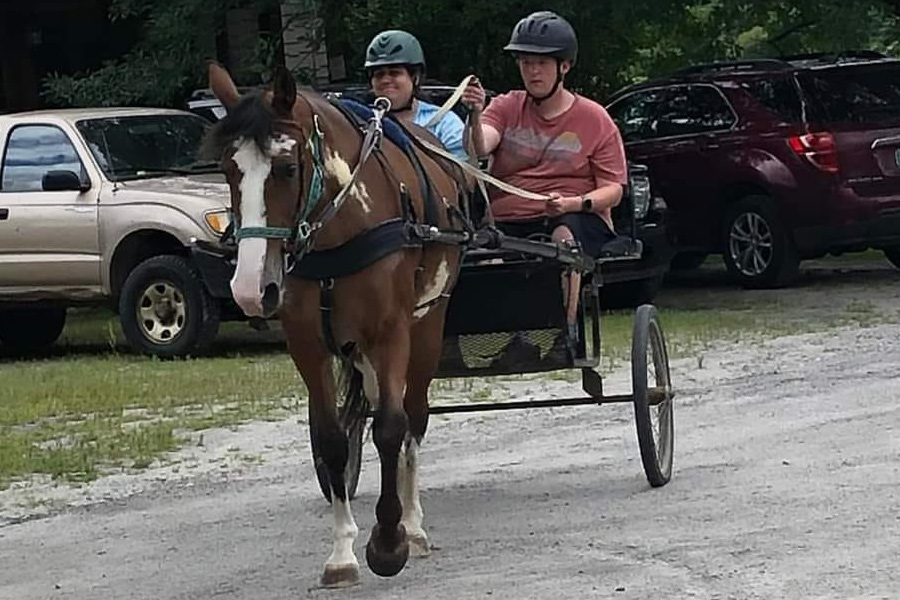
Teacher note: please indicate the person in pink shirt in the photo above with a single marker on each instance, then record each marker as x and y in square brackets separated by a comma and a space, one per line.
[549, 140]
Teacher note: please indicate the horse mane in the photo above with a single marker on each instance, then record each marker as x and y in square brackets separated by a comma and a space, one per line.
[252, 118]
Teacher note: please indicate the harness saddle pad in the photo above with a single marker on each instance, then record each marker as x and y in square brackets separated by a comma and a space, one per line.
[392, 130]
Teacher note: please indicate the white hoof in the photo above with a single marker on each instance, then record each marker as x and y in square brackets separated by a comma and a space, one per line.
[418, 545]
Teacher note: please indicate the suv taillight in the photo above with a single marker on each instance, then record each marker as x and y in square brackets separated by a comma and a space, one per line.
[818, 148]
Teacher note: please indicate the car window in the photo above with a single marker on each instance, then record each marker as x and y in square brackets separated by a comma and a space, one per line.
[777, 96]
[694, 109]
[863, 94]
[635, 114]
[32, 151]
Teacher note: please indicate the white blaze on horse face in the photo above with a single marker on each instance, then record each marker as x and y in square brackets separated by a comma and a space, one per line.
[283, 144]
[433, 291]
[338, 168]
[246, 285]
[255, 267]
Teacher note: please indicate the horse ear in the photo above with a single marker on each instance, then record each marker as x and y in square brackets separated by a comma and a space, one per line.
[222, 86]
[284, 90]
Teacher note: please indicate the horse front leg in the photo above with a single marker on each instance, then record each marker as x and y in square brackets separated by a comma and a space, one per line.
[388, 548]
[341, 568]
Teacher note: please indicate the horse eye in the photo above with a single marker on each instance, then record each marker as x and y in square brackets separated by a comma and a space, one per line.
[286, 170]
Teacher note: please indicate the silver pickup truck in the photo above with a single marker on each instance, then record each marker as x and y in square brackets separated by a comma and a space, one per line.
[103, 207]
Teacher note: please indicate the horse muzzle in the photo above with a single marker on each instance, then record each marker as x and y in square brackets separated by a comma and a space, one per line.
[258, 282]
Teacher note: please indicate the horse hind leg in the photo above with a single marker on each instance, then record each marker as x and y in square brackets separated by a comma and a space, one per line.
[422, 364]
[408, 487]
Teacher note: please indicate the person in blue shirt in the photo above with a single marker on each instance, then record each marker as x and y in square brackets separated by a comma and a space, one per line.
[395, 65]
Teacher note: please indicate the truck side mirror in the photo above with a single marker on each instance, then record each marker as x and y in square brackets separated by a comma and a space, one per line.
[63, 181]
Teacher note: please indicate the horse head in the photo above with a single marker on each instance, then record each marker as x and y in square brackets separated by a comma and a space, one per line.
[260, 144]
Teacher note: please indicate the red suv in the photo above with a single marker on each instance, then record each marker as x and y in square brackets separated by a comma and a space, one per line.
[772, 161]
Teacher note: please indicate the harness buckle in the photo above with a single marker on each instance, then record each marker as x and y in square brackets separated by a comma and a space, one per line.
[382, 104]
[304, 230]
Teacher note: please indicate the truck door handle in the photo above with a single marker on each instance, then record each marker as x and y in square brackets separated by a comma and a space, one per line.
[4, 214]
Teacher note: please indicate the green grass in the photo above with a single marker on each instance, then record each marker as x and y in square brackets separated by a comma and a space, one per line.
[690, 332]
[94, 406]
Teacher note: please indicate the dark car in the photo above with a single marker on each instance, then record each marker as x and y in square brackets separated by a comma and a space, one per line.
[769, 162]
[626, 283]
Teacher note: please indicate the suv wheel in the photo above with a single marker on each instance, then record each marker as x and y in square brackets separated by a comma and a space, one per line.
[893, 255]
[165, 309]
[31, 330]
[758, 250]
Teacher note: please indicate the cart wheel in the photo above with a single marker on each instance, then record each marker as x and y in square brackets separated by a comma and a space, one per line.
[652, 401]
[353, 412]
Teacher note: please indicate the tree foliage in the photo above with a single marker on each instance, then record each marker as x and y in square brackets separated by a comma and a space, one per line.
[621, 41]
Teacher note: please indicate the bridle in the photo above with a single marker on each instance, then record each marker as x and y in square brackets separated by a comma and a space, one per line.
[299, 238]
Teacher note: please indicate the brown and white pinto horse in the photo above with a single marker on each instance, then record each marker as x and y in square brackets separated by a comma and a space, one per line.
[388, 317]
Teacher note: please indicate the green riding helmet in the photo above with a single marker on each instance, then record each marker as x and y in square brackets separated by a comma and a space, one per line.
[394, 47]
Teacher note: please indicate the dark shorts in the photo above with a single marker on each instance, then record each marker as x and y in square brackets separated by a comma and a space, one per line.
[589, 229]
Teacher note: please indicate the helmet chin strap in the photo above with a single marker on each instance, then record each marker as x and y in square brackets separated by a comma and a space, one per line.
[538, 99]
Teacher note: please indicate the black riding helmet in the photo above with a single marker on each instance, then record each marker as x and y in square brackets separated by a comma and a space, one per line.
[548, 34]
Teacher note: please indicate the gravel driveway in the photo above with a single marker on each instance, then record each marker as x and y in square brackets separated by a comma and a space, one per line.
[787, 463]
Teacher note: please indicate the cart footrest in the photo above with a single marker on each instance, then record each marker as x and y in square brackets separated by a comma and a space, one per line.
[487, 354]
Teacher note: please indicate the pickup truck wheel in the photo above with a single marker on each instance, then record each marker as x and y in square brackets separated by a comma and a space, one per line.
[893, 255]
[165, 309]
[31, 330]
[758, 249]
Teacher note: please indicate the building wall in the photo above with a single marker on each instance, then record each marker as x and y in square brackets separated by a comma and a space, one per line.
[302, 52]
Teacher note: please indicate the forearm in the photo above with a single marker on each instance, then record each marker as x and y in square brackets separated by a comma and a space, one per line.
[605, 197]
[477, 131]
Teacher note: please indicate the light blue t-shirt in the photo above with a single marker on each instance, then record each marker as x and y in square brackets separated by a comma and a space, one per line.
[449, 129]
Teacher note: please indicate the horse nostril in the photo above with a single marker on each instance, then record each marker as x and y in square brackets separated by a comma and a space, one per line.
[270, 299]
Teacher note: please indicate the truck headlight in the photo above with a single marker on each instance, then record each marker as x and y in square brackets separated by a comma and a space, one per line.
[640, 195]
[218, 220]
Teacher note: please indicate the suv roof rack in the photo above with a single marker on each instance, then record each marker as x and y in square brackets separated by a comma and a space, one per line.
[758, 64]
[832, 57]
[781, 63]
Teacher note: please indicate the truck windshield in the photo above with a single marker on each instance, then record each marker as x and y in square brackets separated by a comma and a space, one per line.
[143, 146]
